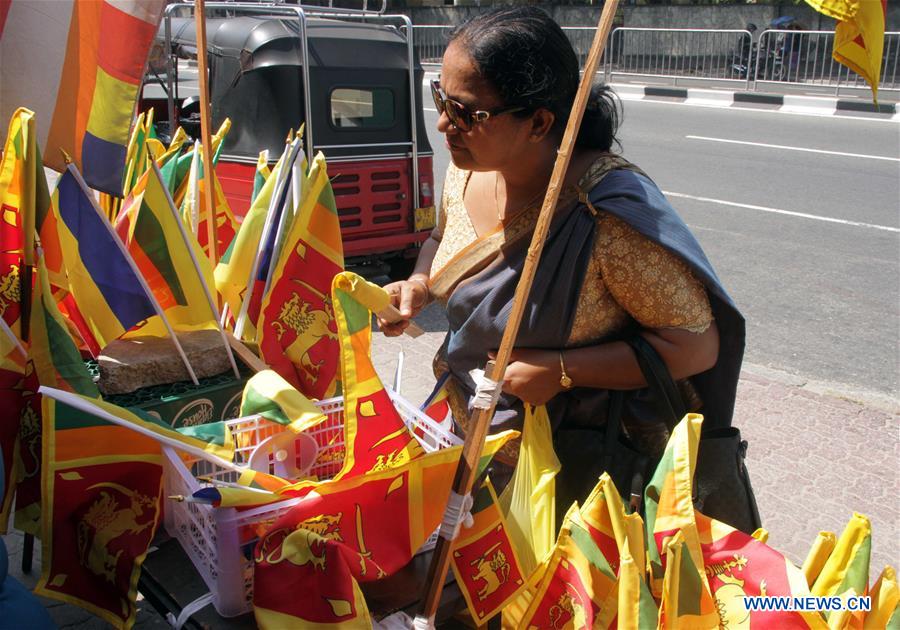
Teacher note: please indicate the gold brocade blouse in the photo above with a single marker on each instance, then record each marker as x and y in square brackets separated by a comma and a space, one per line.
[629, 277]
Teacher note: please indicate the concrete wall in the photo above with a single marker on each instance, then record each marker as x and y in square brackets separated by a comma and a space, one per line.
[730, 16]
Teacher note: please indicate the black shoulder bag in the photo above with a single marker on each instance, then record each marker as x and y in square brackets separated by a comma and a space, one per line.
[722, 487]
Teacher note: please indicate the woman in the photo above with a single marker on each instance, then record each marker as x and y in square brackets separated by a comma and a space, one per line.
[617, 262]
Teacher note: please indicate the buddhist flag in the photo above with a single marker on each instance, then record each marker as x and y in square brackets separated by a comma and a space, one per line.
[575, 584]
[233, 270]
[374, 433]
[102, 486]
[858, 36]
[103, 283]
[21, 177]
[155, 241]
[270, 396]
[79, 66]
[484, 560]
[297, 330]
[353, 530]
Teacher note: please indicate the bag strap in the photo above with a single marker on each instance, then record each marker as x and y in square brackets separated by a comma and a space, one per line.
[659, 380]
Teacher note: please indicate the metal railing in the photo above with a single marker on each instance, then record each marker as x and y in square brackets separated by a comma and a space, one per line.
[732, 56]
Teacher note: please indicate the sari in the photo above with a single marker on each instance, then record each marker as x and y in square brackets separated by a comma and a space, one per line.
[478, 284]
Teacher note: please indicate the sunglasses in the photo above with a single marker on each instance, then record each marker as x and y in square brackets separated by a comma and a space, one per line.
[461, 116]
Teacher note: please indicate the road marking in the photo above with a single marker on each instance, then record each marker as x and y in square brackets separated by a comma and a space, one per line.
[752, 109]
[787, 148]
[789, 213]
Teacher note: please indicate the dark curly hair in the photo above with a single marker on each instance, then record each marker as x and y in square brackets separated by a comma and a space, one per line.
[527, 57]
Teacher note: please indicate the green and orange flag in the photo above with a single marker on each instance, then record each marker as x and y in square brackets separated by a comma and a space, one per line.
[345, 532]
[298, 333]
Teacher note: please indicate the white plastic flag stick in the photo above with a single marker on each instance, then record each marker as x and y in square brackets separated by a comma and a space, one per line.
[398, 373]
[124, 250]
[209, 298]
[277, 195]
[12, 337]
[286, 220]
[194, 179]
[79, 403]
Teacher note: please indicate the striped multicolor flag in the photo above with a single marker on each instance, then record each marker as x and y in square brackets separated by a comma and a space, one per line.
[105, 287]
[22, 183]
[858, 36]
[151, 233]
[297, 330]
[102, 488]
[374, 433]
[484, 560]
[349, 531]
[233, 271]
[80, 71]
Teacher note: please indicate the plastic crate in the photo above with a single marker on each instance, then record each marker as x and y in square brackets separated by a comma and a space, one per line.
[219, 540]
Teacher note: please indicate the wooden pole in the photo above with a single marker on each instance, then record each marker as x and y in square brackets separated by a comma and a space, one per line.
[481, 419]
[205, 135]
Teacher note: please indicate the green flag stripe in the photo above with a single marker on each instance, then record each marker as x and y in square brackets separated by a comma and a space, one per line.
[65, 356]
[857, 575]
[357, 315]
[68, 417]
[256, 403]
[151, 238]
[589, 549]
[690, 588]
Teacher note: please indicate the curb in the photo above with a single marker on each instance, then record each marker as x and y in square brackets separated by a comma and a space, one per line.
[782, 102]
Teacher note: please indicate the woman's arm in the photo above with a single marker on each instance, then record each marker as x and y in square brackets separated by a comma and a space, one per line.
[533, 375]
[411, 296]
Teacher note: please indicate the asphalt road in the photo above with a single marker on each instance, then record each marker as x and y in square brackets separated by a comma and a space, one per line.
[806, 241]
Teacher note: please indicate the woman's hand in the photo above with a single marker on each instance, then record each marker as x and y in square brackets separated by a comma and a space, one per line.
[410, 297]
[532, 375]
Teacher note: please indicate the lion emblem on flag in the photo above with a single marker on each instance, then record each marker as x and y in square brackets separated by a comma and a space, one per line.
[310, 326]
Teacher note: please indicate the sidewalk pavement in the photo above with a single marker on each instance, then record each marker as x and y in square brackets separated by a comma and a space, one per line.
[818, 452]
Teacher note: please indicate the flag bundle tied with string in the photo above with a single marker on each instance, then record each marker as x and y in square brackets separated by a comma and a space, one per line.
[80, 71]
[858, 36]
[297, 329]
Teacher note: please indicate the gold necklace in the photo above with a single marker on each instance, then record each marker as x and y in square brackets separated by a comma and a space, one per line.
[524, 206]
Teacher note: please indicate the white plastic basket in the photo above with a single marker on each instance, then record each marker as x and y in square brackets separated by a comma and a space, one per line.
[213, 538]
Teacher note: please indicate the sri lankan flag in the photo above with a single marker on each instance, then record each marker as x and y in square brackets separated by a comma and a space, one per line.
[817, 556]
[858, 36]
[102, 486]
[484, 560]
[13, 362]
[193, 208]
[103, 283]
[177, 178]
[885, 594]
[576, 583]
[262, 174]
[374, 433]
[21, 180]
[233, 270]
[297, 329]
[137, 154]
[151, 233]
[354, 530]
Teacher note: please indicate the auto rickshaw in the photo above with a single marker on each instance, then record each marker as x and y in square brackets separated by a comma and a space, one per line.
[351, 76]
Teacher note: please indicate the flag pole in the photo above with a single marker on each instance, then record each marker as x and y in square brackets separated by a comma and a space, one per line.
[159, 311]
[206, 291]
[79, 403]
[212, 234]
[277, 193]
[481, 418]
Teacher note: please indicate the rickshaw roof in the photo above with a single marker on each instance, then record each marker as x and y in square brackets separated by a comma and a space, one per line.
[262, 41]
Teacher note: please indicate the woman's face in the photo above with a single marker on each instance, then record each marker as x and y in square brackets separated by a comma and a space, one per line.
[490, 145]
